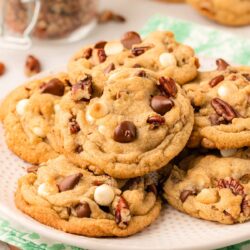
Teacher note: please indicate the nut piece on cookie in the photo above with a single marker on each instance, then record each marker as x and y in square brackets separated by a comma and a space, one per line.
[32, 66]
[211, 188]
[80, 202]
[158, 52]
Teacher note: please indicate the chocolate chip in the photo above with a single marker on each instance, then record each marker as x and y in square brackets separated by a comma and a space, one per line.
[161, 104]
[101, 55]
[167, 86]
[79, 149]
[83, 210]
[155, 121]
[2, 68]
[100, 45]
[130, 38]
[223, 109]
[125, 132]
[53, 87]
[137, 51]
[32, 66]
[221, 64]
[141, 73]
[216, 80]
[185, 193]
[73, 125]
[32, 169]
[83, 89]
[69, 182]
[109, 68]
[87, 53]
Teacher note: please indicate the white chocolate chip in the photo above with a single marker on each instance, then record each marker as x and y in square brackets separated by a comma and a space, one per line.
[21, 106]
[56, 108]
[113, 48]
[46, 189]
[96, 110]
[227, 90]
[228, 152]
[104, 195]
[167, 60]
[39, 132]
[102, 129]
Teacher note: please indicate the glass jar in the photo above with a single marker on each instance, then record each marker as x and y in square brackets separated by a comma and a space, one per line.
[60, 20]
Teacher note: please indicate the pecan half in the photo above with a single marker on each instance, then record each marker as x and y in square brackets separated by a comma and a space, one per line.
[167, 86]
[82, 90]
[245, 206]
[234, 185]
[2, 68]
[137, 51]
[122, 213]
[221, 64]
[223, 109]
[101, 55]
[216, 119]
[246, 76]
[155, 121]
[216, 80]
[32, 66]
[73, 125]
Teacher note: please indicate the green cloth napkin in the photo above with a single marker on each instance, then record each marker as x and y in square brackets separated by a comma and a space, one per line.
[207, 42]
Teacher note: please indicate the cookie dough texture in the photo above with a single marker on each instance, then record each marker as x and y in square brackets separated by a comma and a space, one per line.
[158, 51]
[223, 123]
[58, 209]
[229, 12]
[211, 188]
[127, 97]
[27, 133]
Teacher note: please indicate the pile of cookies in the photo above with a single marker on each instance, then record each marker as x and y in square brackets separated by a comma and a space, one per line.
[226, 12]
[130, 123]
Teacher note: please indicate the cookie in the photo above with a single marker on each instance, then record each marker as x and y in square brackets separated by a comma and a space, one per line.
[222, 111]
[158, 51]
[211, 188]
[28, 114]
[73, 200]
[229, 12]
[139, 123]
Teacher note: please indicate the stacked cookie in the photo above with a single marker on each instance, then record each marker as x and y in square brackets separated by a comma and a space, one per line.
[104, 136]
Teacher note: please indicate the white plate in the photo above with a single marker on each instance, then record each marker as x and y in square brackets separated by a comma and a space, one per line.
[172, 230]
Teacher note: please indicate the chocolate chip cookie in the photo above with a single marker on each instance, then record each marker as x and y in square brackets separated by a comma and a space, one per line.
[211, 188]
[28, 114]
[229, 12]
[222, 111]
[66, 197]
[158, 52]
[136, 126]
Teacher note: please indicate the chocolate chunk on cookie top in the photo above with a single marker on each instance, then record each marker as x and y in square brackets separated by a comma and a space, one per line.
[211, 188]
[137, 125]
[64, 196]
[222, 108]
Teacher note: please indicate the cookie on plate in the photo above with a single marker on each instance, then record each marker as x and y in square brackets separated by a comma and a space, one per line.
[211, 188]
[228, 12]
[222, 110]
[73, 200]
[28, 114]
[158, 51]
[139, 123]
